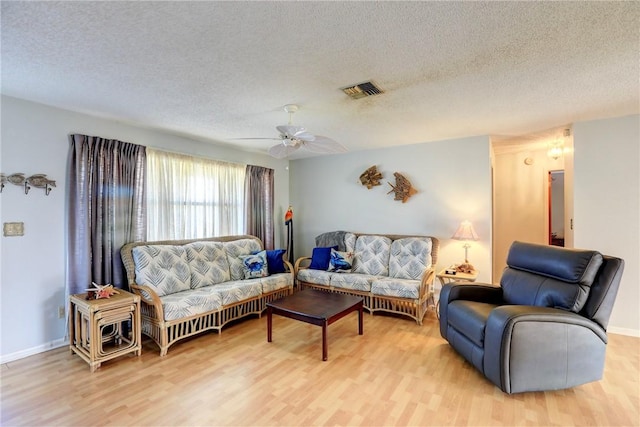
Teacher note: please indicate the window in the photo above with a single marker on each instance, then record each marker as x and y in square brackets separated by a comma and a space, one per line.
[192, 197]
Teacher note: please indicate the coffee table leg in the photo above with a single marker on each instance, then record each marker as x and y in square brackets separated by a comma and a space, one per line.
[269, 323]
[360, 325]
[324, 341]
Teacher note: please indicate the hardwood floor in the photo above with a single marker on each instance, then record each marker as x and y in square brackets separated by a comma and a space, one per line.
[397, 373]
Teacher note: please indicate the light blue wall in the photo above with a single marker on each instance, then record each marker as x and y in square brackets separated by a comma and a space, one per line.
[35, 140]
[453, 179]
[607, 204]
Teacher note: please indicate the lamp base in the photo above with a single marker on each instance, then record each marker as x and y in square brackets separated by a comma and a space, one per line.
[465, 268]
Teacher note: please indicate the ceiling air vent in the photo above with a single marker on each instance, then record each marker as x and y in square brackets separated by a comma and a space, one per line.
[362, 90]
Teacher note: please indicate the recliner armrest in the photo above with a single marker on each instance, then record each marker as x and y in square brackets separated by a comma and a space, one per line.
[481, 292]
[543, 345]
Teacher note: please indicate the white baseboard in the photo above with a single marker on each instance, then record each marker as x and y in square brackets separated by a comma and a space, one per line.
[6, 358]
[624, 331]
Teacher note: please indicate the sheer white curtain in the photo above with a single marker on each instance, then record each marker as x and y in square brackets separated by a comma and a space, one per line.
[192, 197]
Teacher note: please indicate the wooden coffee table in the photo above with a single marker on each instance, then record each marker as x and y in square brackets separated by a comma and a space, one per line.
[317, 308]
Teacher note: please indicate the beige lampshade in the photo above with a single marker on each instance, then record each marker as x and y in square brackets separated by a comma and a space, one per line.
[465, 232]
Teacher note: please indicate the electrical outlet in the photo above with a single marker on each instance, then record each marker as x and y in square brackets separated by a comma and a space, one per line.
[61, 312]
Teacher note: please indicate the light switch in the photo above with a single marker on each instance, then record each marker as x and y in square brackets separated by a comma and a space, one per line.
[13, 229]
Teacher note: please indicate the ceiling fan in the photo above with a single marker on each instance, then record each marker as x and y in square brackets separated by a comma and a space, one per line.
[294, 137]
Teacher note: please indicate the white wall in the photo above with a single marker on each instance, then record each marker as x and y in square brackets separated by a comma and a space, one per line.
[607, 204]
[35, 140]
[520, 201]
[453, 179]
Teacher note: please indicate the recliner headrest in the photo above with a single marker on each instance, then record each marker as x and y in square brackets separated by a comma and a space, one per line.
[569, 265]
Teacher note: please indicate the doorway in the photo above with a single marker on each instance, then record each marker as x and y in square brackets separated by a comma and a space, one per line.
[556, 208]
[525, 206]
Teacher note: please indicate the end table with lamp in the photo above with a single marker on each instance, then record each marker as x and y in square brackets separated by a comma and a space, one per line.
[464, 272]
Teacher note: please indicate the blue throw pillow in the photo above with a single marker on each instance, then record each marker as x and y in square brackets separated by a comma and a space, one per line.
[320, 258]
[275, 261]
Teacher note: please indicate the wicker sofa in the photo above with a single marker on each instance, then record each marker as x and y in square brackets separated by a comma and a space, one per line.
[393, 273]
[191, 286]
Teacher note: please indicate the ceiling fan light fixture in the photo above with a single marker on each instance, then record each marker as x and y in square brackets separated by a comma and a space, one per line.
[290, 108]
[294, 137]
[289, 142]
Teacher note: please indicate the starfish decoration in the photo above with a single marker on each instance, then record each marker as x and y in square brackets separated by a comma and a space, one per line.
[102, 291]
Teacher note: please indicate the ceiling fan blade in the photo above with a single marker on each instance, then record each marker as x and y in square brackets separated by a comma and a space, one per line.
[280, 151]
[304, 136]
[239, 139]
[322, 144]
[290, 130]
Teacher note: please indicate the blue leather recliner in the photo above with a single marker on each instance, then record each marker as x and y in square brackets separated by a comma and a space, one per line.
[544, 327]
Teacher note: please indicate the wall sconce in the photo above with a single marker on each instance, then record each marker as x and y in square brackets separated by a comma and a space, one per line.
[466, 233]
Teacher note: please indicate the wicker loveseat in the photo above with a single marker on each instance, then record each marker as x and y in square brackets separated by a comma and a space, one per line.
[190, 286]
[392, 273]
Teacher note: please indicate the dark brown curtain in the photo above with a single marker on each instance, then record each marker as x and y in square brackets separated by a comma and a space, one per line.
[258, 196]
[106, 209]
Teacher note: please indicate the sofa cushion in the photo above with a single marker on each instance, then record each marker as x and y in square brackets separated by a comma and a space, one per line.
[547, 276]
[276, 282]
[340, 262]
[190, 303]
[353, 281]
[350, 242]
[164, 268]
[399, 288]
[208, 263]
[238, 290]
[372, 255]
[320, 257]
[234, 249]
[255, 265]
[318, 277]
[410, 257]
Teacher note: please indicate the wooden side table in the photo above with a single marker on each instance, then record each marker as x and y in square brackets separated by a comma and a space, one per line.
[95, 327]
[443, 277]
[458, 277]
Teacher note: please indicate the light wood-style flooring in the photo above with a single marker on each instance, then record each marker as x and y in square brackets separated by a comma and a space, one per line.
[397, 373]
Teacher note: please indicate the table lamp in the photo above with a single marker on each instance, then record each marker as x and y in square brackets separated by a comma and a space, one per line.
[465, 233]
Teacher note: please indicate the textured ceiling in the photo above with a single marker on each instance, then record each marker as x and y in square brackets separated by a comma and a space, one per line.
[223, 70]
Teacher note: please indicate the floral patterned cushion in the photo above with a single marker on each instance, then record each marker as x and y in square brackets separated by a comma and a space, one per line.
[190, 303]
[234, 249]
[354, 281]
[318, 277]
[164, 268]
[372, 255]
[238, 290]
[350, 242]
[400, 288]
[410, 257]
[208, 263]
[276, 281]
